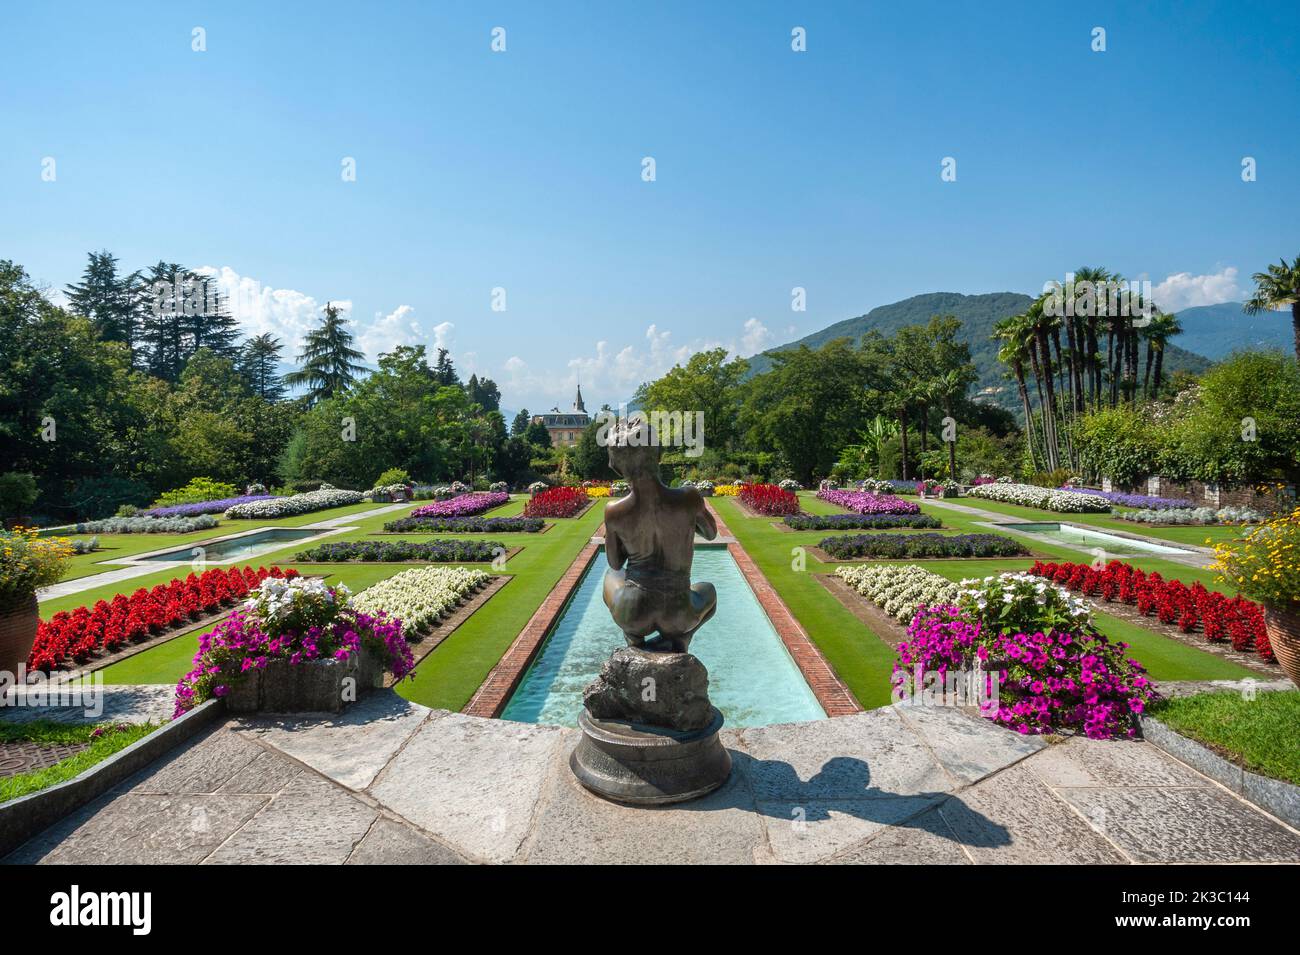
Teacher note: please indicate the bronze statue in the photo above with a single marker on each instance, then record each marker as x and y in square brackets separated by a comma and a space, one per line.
[652, 531]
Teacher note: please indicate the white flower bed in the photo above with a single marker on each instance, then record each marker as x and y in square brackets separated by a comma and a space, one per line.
[297, 504]
[1049, 499]
[899, 589]
[1193, 515]
[421, 596]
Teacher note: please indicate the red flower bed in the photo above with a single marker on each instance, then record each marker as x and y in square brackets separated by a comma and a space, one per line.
[1219, 617]
[769, 499]
[556, 502]
[109, 625]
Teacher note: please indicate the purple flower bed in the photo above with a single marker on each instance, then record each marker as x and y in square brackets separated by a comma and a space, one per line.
[1135, 500]
[1051, 681]
[204, 507]
[465, 505]
[861, 502]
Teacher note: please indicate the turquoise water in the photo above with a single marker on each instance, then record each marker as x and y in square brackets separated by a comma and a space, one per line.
[1077, 536]
[752, 678]
[239, 548]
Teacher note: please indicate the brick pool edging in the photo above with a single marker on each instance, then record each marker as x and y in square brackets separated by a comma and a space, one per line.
[835, 698]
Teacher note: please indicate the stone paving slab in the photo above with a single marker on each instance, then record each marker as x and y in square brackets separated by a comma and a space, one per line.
[143, 703]
[352, 747]
[894, 785]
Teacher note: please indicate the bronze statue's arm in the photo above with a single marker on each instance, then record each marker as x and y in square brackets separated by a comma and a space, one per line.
[614, 549]
[705, 525]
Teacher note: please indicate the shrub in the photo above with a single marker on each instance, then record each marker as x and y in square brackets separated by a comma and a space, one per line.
[1135, 500]
[219, 506]
[1265, 564]
[108, 494]
[199, 489]
[17, 493]
[392, 476]
[1051, 499]
[835, 522]
[1193, 515]
[769, 499]
[898, 546]
[436, 551]
[790, 484]
[29, 562]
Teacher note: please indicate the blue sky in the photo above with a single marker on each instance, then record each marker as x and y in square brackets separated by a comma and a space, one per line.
[522, 170]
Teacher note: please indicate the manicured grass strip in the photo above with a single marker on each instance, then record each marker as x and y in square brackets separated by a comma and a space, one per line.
[863, 661]
[23, 784]
[1259, 734]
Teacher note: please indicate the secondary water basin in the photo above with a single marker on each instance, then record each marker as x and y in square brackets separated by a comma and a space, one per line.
[1082, 537]
[237, 548]
[752, 678]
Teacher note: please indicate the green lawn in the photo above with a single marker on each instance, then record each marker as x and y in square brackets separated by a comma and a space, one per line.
[1177, 535]
[1258, 734]
[112, 741]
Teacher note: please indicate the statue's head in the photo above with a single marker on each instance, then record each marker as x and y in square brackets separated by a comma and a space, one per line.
[634, 449]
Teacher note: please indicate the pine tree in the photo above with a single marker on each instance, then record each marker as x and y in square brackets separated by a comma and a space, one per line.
[444, 370]
[211, 325]
[329, 363]
[163, 337]
[520, 424]
[108, 299]
[259, 363]
[484, 392]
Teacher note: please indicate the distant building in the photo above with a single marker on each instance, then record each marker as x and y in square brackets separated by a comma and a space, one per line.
[565, 428]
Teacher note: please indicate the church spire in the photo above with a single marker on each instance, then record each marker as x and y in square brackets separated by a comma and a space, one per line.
[577, 403]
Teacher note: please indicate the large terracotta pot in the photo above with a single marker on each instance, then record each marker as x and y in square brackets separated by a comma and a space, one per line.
[1283, 628]
[18, 624]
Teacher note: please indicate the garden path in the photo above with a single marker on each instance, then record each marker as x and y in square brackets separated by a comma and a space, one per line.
[391, 781]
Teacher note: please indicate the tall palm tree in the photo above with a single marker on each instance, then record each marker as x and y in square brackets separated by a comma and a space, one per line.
[1277, 288]
[1163, 327]
[950, 386]
[1014, 335]
[1089, 325]
[1040, 324]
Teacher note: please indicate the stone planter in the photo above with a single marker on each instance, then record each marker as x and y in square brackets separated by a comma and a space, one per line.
[1283, 628]
[18, 624]
[318, 686]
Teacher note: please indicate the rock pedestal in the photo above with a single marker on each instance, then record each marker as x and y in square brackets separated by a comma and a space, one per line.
[649, 732]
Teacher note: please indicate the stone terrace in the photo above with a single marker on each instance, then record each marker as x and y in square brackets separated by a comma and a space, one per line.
[391, 781]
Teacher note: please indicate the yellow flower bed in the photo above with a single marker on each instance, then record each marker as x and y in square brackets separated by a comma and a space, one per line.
[597, 492]
[29, 561]
[728, 490]
[1265, 564]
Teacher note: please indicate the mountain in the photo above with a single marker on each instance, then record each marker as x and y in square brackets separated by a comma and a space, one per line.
[978, 314]
[1216, 331]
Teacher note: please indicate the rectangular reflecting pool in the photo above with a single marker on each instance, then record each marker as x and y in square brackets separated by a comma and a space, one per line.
[752, 678]
[238, 548]
[1081, 537]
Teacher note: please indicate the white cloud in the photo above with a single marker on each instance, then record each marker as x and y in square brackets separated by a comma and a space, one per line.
[1184, 290]
[757, 338]
[386, 332]
[285, 313]
[442, 336]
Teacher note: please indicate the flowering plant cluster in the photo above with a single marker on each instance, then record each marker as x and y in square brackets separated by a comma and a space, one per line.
[499, 487]
[76, 635]
[199, 489]
[706, 488]
[196, 508]
[537, 487]
[1022, 602]
[982, 479]
[462, 505]
[420, 597]
[728, 490]
[29, 561]
[1265, 564]
[902, 487]
[899, 589]
[769, 499]
[297, 620]
[467, 525]
[1135, 500]
[790, 484]
[277, 507]
[836, 522]
[862, 502]
[927, 545]
[556, 502]
[1049, 680]
[1029, 495]
[437, 551]
[1193, 515]
[597, 491]
[875, 486]
[619, 488]
[147, 525]
[939, 488]
[1218, 616]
